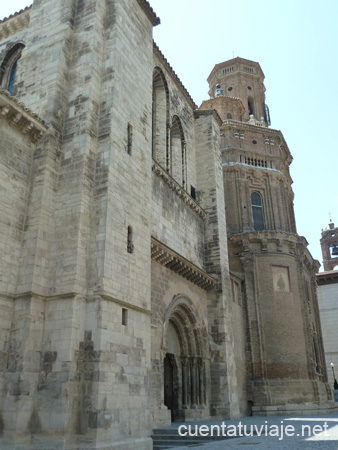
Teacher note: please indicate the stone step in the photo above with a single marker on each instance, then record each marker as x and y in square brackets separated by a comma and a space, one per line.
[165, 438]
[170, 444]
[177, 437]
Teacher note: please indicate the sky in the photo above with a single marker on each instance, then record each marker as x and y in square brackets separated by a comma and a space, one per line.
[296, 44]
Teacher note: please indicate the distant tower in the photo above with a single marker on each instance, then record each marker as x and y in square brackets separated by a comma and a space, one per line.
[329, 244]
[286, 359]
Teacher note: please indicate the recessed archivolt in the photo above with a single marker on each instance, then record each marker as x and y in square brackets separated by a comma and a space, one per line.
[189, 327]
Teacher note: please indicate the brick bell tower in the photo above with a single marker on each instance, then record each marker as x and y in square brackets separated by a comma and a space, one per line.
[285, 363]
[329, 244]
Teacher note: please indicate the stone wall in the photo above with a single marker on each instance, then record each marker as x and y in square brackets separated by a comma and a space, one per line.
[77, 338]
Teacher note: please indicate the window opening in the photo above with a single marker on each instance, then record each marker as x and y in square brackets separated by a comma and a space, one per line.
[124, 316]
[129, 138]
[12, 77]
[257, 211]
[250, 107]
[130, 244]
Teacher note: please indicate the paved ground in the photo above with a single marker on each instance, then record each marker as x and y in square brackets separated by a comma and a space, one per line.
[325, 438]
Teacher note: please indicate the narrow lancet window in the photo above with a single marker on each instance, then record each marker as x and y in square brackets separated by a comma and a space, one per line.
[12, 78]
[124, 316]
[257, 211]
[129, 138]
[130, 244]
[250, 107]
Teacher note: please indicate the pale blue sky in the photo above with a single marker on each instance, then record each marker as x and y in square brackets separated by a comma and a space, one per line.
[296, 44]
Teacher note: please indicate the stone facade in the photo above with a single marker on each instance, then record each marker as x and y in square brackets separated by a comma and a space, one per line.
[135, 287]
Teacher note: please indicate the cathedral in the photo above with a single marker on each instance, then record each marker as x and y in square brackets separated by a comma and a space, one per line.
[151, 270]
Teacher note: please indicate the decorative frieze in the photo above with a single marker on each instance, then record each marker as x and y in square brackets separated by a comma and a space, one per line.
[175, 262]
[15, 23]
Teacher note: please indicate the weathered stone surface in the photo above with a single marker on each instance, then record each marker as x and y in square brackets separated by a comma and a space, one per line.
[123, 304]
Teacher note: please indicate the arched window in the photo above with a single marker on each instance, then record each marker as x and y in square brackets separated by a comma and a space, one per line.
[160, 113]
[229, 116]
[12, 77]
[9, 66]
[178, 157]
[257, 211]
[250, 106]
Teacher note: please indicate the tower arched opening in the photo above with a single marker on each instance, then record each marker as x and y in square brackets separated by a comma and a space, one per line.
[251, 110]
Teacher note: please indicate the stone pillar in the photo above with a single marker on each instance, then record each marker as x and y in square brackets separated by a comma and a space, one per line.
[223, 385]
[201, 378]
[193, 382]
[185, 383]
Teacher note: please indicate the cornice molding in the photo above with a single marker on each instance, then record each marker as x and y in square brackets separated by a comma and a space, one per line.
[178, 264]
[178, 189]
[329, 277]
[269, 241]
[208, 112]
[206, 104]
[15, 23]
[78, 296]
[250, 126]
[162, 58]
[259, 243]
[106, 296]
[20, 117]
[149, 12]
[237, 62]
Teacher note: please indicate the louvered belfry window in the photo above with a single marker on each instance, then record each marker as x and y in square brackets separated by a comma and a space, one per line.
[257, 211]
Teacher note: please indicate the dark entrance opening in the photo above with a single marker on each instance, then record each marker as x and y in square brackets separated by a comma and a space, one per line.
[169, 396]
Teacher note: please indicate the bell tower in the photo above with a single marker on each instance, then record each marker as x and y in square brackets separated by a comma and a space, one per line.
[329, 244]
[286, 363]
[243, 79]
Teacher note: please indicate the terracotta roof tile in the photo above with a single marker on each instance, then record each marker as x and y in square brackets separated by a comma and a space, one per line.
[178, 81]
[15, 14]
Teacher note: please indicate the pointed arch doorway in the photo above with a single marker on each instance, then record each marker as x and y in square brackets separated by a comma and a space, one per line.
[185, 364]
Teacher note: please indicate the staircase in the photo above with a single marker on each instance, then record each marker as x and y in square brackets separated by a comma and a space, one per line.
[164, 438]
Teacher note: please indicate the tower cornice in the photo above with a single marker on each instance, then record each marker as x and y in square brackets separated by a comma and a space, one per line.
[239, 65]
[237, 125]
